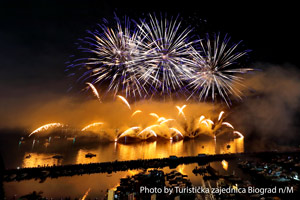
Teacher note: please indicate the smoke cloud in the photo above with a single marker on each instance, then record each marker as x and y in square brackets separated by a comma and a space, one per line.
[39, 109]
[270, 108]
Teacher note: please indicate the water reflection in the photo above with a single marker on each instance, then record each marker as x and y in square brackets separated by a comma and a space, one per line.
[231, 146]
[74, 187]
[77, 186]
[181, 177]
[117, 151]
[40, 159]
[81, 159]
[181, 148]
[225, 165]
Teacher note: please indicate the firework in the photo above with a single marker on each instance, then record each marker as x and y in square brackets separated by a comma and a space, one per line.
[215, 72]
[147, 129]
[206, 123]
[201, 118]
[85, 194]
[216, 128]
[166, 128]
[211, 128]
[210, 121]
[46, 127]
[158, 56]
[92, 125]
[180, 110]
[220, 115]
[125, 101]
[154, 115]
[136, 112]
[113, 59]
[176, 131]
[161, 119]
[146, 136]
[166, 53]
[239, 134]
[227, 124]
[128, 131]
[153, 133]
[95, 91]
[165, 121]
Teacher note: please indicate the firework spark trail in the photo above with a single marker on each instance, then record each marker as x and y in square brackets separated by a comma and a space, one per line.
[165, 121]
[128, 131]
[227, 124]
[94, 91]
[201, 118]
[136, 112]
[176, 131]
[92, 125]
[161, 119]
[217, 129]
[147, 129]
[180, 111]
[220, 115]
[85, 194]
[46, 127]
[191, 128]
[125, 101]
[239, 134]
[210, 121]
[214, 71]
[205, 122]
[153, 133]
[154, 115]
[166, 53]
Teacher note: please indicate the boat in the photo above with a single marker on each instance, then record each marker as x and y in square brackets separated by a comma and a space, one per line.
[57, 156]
[90, 155]
[281, 179]
[199, 170]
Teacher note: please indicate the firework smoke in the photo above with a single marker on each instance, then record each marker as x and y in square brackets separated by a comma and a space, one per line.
[269, 110]
[272, 104]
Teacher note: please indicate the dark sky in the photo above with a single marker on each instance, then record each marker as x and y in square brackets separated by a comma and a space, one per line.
[37, 37]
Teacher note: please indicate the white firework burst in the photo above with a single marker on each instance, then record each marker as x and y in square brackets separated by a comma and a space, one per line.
[215, 73]
[114, 60]
[158, 56]
[166, 53]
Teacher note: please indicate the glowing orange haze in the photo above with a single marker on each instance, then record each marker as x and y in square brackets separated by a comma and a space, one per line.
[149, 119]
[75, 113]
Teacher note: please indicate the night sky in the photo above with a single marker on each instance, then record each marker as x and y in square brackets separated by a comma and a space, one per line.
[37, 37]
